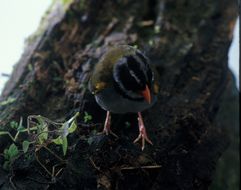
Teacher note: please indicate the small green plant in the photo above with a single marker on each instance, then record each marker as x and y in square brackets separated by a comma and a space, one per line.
[87, 117]
[38, 128]
[14, 125]
[68, 127]
[62, 130]
[9, 155]
[17, 126]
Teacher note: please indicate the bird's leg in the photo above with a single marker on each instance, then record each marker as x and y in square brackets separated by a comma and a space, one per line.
[142, 132]
[107, 129]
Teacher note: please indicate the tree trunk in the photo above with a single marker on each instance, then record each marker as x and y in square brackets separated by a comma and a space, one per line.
[187, 41]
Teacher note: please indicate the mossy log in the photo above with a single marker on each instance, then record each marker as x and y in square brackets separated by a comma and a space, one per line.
[187, 41]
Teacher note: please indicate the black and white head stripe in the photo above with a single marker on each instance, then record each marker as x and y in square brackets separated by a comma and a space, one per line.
[132, 73]
[144, 67]
[147, 68]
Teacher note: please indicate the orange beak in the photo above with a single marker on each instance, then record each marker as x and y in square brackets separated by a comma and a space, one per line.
[146, 94]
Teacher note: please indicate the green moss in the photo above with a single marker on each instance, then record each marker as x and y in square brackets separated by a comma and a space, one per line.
[66, 2]
[82, 4]
[8, 101]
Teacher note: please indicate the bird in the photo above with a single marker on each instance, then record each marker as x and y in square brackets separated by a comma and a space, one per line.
[123, 81]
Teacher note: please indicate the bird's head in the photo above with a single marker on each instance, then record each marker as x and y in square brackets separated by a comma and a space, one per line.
[133, 76]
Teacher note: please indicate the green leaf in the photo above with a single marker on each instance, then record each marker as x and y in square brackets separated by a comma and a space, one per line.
[65, 145]
[8, 101]
[3, 132]
[21, 129]
[62, 141]
[43, 133]
[5, 154]
[58, 140]
[72, 127]
[14, 124]
[41, 121]
[87, 117]
[25, 146]
[42, 130]
[73, 118]
[6, 165]
[69, 126]
[12, 151]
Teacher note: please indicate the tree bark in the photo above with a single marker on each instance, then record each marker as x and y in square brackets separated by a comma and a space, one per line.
[187, 41]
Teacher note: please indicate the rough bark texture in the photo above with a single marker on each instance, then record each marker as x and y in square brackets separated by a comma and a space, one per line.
[227, 118]
[188, 41]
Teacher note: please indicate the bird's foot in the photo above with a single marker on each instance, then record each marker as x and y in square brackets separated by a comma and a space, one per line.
[142, 133]
[143, 136]
[107, 129]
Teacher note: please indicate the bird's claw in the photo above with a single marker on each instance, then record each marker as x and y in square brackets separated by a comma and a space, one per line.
[109, 131]
[142, 133]
[143, 136]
